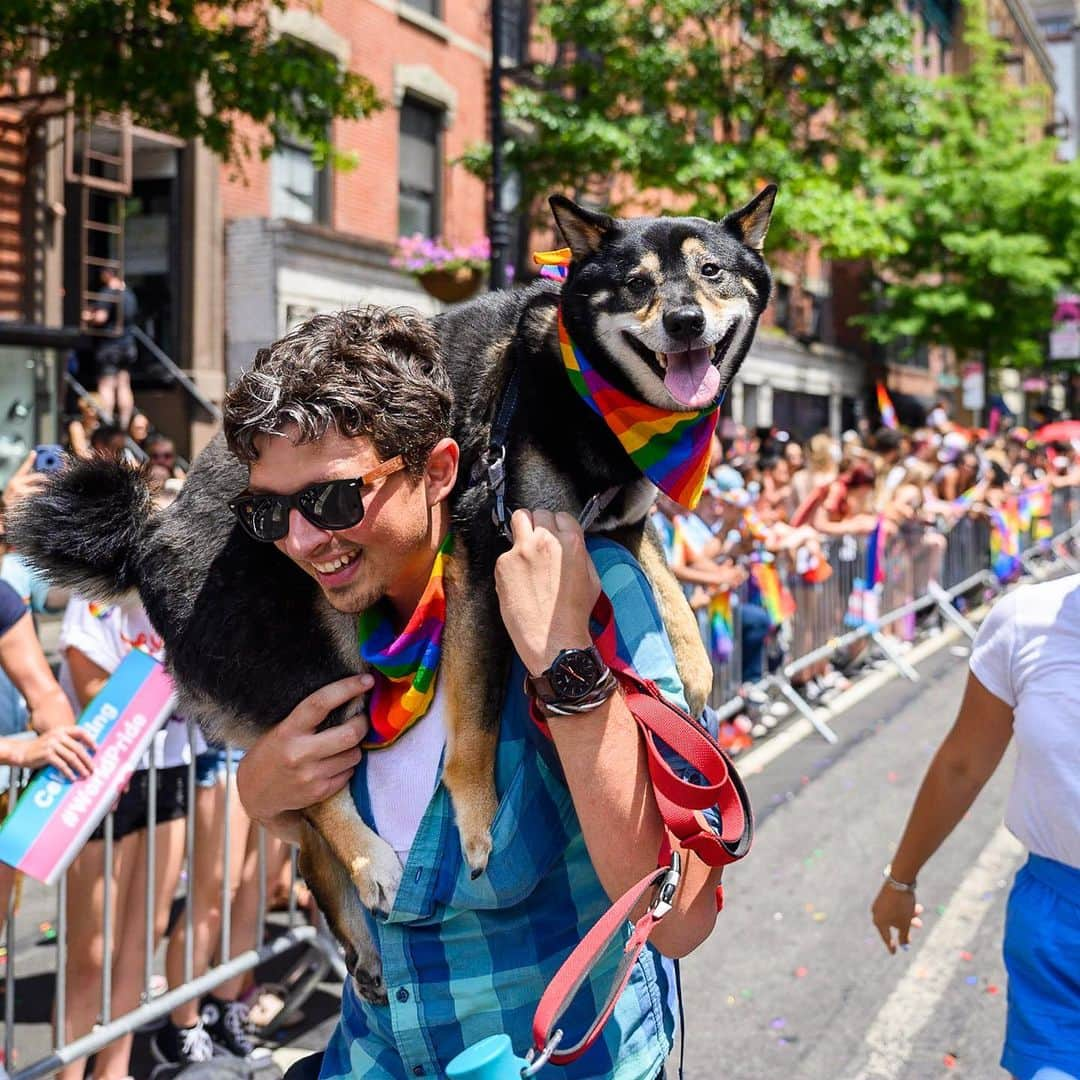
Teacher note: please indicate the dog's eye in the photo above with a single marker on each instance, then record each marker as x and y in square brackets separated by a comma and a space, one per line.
[710, 270]
[638, 285]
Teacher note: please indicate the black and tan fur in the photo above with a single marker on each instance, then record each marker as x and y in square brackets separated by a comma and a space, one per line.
[229, 609]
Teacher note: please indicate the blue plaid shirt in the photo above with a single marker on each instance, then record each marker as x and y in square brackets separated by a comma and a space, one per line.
[465, 959]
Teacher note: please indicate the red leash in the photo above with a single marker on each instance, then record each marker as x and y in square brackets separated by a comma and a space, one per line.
[681, 803]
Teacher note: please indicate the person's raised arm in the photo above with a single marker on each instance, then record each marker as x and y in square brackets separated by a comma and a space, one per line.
[293, 765]
[960, 769]
[23, 660]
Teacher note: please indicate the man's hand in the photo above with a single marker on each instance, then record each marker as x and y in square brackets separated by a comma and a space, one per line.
[547, 587]
[293, 766]
[24, 482]
[67, 748]
[895, 910]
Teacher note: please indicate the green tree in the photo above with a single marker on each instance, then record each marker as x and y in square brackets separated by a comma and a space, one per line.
[707, 99]
[190, 68]
[980, 214]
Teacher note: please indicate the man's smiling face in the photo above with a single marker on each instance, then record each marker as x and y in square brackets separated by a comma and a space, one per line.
[384, 555]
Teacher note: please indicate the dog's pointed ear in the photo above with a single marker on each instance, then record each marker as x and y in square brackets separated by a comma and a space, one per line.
[751, 222]
[583, 230]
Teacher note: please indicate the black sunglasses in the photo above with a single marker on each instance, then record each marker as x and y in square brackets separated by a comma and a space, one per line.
[330, 505]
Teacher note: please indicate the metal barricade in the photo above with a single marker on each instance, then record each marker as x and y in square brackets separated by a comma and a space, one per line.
[928, 571]
[111, 1025]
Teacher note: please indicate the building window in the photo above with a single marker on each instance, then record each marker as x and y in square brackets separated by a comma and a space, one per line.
[299, 190]
[429, 7]
[515, 32]
[419, 168]
[782, 306]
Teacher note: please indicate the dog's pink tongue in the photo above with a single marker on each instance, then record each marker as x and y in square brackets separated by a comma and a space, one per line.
[691, 378]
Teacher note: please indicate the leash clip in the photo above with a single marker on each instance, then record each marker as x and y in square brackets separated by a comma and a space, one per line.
[537, 1061]
[496, 478]
[666, 888]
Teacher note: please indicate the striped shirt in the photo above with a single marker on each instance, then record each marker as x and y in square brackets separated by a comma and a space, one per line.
[465, 959]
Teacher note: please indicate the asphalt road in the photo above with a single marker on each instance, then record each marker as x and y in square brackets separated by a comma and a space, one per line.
[795, 982]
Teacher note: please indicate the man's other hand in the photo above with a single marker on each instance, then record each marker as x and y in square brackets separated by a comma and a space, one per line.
[547, 586]
[294, 765]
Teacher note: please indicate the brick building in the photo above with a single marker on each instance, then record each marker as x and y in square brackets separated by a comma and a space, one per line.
[222, 263]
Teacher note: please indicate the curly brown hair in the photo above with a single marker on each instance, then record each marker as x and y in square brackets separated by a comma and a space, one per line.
[367, 371]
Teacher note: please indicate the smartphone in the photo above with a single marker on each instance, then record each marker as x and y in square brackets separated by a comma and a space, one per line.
[48, 457]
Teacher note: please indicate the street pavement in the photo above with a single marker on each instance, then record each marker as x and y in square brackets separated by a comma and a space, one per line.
[795, 981]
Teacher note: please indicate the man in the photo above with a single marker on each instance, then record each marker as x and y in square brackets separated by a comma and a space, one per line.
[114, 313]
[576, 824]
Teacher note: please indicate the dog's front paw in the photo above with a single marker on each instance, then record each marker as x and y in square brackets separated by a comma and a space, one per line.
[376, 873]
[365, 966]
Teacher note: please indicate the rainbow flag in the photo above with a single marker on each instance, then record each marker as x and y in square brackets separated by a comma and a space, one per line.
[1005, 542]
[721, 627]
[405, 664]
[966, 499]
[553, 264]
[874, 573]
[885, 406]
[770, 592]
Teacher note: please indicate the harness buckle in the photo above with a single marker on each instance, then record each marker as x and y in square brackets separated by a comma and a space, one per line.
[537, 1061]
[666, 888]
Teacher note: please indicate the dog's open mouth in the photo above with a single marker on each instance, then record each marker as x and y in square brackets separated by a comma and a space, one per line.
[692, 377]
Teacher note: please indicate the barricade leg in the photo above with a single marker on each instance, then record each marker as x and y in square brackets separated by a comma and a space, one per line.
[804, 708]
[949, 611]
[886, 646]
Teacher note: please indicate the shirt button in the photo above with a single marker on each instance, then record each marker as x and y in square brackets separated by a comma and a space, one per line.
[418, 1070]
[403, 996]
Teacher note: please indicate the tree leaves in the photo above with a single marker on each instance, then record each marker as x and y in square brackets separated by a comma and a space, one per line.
[190, 68]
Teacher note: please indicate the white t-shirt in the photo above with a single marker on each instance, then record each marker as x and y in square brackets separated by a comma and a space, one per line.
[105, 635]
[401, 778]
[1027, 654]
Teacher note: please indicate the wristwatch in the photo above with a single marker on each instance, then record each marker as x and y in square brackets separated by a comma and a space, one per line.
[577, 680]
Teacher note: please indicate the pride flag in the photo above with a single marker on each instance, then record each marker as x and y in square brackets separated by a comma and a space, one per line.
[771, 593]
[875, 556]
[55, 815]
[885, 406]
[1005, 542]
[721, 627]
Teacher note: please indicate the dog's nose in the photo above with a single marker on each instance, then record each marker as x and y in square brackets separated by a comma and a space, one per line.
[685, 322]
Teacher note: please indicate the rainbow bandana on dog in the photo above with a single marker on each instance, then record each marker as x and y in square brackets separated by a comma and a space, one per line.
[404, 665]
[670, 448]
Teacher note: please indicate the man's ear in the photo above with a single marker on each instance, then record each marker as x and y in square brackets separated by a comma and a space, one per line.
[751, 222]
[583, 230]
[440, 473]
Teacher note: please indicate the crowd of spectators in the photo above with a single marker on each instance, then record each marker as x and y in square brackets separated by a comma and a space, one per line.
[37, 717]
[800, 507]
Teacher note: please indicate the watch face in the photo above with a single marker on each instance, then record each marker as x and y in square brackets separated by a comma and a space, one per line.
[574, 674]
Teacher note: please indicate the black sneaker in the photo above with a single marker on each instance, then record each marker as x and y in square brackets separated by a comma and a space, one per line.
[172, 1045]
[226, 1023]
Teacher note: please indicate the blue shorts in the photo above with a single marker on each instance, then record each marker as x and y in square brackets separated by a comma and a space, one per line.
[211, 764]
[1042, 957]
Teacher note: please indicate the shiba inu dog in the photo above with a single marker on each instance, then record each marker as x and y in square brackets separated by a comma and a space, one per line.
[662, 310]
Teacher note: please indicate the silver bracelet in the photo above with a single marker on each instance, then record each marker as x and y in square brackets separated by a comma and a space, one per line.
[899, 886]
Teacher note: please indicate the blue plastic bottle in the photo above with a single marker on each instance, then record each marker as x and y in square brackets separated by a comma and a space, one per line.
[492, 1058]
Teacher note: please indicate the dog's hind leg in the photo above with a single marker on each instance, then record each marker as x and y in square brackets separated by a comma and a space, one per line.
[337, 898]
[474, 664]
[691, 655]
[370, 861]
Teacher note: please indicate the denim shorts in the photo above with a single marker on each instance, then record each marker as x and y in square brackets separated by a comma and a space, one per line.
[1042, 943]
[210, 766]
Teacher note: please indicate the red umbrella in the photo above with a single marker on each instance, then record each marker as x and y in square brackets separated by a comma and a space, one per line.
[1059, 431]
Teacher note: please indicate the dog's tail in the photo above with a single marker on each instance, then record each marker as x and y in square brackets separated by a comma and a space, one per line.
[84, 529]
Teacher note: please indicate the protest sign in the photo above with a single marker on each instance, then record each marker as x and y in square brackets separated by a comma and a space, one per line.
[55, 815]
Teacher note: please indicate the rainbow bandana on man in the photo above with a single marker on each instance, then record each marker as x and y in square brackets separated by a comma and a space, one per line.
[404, 665]
[670, 448]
